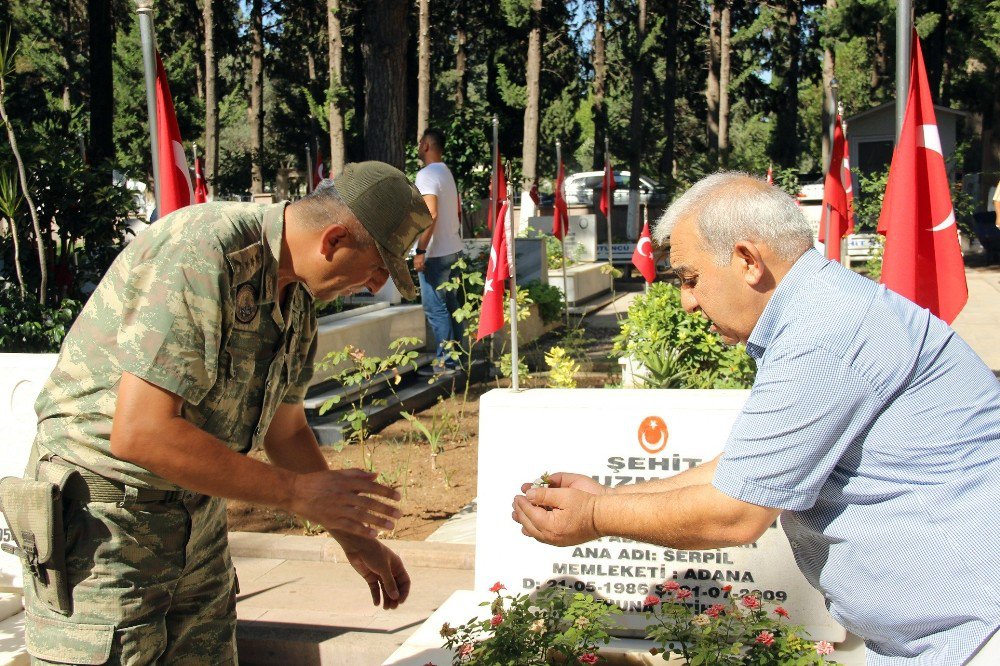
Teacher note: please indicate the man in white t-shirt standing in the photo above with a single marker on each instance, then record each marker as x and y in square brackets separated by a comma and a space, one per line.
[994, 204]
[439, 247]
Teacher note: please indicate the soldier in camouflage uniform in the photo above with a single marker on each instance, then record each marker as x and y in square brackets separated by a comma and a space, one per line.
[197, 346]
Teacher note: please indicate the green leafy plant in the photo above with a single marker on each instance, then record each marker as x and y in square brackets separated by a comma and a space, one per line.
[679, 348]
[739, 631]
[27, 326]
[557, 626]
[361, 371]
[548, 298]
[433, 433]
[562, 368]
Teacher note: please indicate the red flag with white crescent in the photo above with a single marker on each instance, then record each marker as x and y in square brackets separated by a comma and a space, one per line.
[175, 179]
[502, 188]
[497, 273]
[319, 171]
[607, 188]
[837, 196]
[200, 189]
[560, 212]
[922, 259]
[642, 257]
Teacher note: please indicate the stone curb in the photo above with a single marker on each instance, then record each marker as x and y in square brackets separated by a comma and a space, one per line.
[430, 554]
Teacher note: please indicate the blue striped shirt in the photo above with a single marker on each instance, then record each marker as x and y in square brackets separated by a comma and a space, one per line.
[877, 429]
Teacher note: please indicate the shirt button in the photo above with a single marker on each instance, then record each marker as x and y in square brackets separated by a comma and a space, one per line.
[267, 384]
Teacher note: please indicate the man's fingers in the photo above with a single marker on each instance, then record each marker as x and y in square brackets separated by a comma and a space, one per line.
[373, 506]
[526, 514]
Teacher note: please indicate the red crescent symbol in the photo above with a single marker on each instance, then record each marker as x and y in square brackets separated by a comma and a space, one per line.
[653, 434]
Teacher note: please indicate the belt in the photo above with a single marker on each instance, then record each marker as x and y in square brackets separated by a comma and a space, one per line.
[90, 487]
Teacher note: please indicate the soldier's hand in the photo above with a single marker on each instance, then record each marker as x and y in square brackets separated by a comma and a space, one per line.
[381, 568]
[345, 500]
[575, 481]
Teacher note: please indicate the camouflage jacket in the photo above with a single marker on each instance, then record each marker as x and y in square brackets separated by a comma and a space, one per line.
[190, 306]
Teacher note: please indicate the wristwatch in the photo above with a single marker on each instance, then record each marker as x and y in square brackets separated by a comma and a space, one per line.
[419, 251]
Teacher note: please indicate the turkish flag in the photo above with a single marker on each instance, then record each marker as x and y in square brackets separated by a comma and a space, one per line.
[501, 188]
[319, 171]
[922, 259]
[200, 189]
[533, 193]
[838, 199]
[560, 212]
[770, 175]
[642, 257]
[607, 188]
[175, 179]
[497, 273]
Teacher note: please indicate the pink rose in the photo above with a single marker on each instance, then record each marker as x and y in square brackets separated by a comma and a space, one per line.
[683, 594]
[727, 588]
[715, 610]
[589, 658]
[781, 611]
[765, 638]
[651, 600]
[751, 602]
[497, 586]
[824, 648]
[671, 585]
[496, 620]
[465, 650]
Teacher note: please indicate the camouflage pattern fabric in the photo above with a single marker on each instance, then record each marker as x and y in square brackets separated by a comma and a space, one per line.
[151, 583]
[190, 306]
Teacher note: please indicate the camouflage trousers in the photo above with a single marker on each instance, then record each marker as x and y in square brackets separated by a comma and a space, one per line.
[151, 583]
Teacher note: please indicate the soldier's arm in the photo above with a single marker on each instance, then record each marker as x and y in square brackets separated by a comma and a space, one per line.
[149, 431]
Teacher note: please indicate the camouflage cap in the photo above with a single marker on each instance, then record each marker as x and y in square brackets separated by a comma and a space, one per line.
[391, 209]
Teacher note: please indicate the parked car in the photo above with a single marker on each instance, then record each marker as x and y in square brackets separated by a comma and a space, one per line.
[580, 189]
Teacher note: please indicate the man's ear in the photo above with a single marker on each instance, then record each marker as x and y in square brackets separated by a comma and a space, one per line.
[333, 237]
[748, 258]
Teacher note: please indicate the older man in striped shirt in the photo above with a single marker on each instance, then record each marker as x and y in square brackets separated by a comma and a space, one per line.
[872, 429]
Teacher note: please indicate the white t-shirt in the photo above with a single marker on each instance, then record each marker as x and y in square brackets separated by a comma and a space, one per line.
[994, 198]
[436, 179]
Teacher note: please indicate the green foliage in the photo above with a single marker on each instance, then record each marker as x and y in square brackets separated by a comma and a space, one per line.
[678, 348]
[28, 327]
[432, 433]
[548, 299]
[562, 368]
[361, 370]
[739, 631]
[557, 626]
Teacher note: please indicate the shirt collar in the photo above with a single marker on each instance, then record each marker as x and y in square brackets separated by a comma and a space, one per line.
[784, 296]
[273, 229]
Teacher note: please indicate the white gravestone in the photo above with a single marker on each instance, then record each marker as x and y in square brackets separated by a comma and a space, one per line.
[21, 380]
[619, 437]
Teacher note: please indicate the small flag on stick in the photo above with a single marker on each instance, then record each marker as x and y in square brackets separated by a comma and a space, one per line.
[497, 273]
[607, 188]
[642, 257]
[175, 179]
[560, 212]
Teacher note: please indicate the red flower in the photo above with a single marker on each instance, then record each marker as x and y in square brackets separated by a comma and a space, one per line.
[589, 658]
[496, 620]
[651, 600]
[683, 594]
[671, 585]
[824, 648]
[465, 650]
[715, 610]
[497, 586]
[765, 638]
[751, 602]
[727, 588]
[781, 611]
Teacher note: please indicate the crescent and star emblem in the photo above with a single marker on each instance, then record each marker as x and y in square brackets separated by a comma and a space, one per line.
[649, 245]
[928, 138]
[653, 434]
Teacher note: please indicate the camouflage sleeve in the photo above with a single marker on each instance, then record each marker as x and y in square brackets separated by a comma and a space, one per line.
[172, 318]
[299, 385]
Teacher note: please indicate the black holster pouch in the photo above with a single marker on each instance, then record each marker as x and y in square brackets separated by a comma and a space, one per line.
[34, 512]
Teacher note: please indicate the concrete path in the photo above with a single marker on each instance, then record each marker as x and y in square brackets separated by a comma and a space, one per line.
[979, 321]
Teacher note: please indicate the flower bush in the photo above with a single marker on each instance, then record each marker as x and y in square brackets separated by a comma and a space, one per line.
[740, 631]
[558, 626]
[562, 627]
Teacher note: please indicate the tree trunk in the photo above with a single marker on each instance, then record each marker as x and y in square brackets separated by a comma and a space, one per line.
[211, 100]
[599, 111]
[335, 112]
[102, 100]
[384, 50]
[712, 83]
[880, 73]
[423, 68]
[785, 84]
[461, 57]
[529, 155]
[669, 95]
[257, 97]
[67, 55]
[636, 123]
[828, 75]
[724, 75]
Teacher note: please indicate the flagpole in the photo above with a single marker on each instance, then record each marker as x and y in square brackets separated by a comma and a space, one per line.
[144, 8]
[562, 238]
[309, 170]
[194, 151]
[834, 96]
[645, 223]
[904, 26]
[494, 179]
[514, 375]
[611, 196]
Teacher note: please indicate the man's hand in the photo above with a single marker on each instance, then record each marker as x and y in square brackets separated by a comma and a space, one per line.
[557, 516]
[575, 481]
[380, 567]
[419, 260]
[338, 500]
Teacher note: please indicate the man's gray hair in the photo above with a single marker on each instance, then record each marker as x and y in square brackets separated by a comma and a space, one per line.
[732, 206]
[327, 207]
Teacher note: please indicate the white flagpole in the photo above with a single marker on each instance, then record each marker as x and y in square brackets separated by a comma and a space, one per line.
[645, 223]
[494, 180]
[309, 169]
[194, 151]
[564, 232]
[611, 195]
[144, 8]
[514, 375]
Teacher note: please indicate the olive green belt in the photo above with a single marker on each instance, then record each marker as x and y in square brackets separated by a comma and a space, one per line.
[90, 487]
